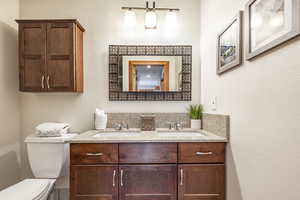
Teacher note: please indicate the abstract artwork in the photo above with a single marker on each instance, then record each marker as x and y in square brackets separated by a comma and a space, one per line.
[270, 23]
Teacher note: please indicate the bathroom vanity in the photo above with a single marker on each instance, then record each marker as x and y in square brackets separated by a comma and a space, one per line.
[147, 166]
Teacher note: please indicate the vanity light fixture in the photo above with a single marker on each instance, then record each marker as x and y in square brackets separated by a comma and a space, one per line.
[150, 15]
[171, 18]
[130, 18]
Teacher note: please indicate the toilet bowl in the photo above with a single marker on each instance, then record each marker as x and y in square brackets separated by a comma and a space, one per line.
[47, 157]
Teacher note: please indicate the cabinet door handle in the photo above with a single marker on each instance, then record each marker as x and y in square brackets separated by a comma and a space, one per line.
[114, 178]
[203, 153]
[42, 82]
[94, 154]
[48, 82]
[122, 172]
[181, 176]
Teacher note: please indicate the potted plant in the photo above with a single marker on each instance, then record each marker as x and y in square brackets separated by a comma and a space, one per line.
[195, 112]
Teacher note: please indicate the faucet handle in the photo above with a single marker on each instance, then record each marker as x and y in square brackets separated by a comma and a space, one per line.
[117, 126]
[125, 125]
[171, 125]
[179, 125]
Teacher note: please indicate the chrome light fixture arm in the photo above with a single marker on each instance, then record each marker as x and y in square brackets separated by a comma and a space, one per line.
[148, 8]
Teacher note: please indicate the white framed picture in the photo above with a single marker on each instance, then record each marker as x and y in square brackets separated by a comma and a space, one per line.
[270, 23]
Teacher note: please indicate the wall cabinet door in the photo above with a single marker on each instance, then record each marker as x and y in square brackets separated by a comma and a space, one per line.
[60, 57]
[32, 57]
[148, 182]
[201, 182]
[93, 182]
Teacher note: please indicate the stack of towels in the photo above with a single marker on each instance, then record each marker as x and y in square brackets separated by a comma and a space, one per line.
[50, 129]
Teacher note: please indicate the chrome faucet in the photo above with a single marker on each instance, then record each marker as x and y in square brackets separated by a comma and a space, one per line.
[178, 126]
[175, 125]
[120, 126]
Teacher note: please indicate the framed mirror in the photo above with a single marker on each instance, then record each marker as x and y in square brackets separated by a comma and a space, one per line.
[150, 73]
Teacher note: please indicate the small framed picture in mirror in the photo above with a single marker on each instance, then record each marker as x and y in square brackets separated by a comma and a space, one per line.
[229, 45]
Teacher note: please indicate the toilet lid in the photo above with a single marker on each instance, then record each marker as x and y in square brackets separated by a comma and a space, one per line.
[29, 189]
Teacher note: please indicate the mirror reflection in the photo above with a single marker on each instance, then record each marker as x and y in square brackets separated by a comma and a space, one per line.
[152, 73]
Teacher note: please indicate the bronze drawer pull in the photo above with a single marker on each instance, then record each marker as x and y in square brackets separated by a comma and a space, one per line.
[203, 153]
[94, 154]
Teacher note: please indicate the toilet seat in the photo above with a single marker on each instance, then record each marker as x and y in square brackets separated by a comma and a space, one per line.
[28, 189]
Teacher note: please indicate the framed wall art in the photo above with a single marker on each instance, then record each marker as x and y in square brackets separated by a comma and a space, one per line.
[229, 45]
[270, 23]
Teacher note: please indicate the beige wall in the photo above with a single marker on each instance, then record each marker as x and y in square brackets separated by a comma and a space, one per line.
[103, 20]
[262, 97]
[9, 97]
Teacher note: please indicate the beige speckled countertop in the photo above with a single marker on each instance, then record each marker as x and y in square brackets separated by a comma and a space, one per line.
[136, 136]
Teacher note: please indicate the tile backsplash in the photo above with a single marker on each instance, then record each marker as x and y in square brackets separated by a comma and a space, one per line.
[215, 123]
[134, 119]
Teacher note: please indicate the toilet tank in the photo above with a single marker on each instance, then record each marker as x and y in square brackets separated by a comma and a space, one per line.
[48, 155]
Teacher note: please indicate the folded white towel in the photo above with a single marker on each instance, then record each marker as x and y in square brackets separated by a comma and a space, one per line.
[52, 129]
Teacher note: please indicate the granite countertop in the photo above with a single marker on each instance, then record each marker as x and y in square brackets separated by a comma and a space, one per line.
[136, 136]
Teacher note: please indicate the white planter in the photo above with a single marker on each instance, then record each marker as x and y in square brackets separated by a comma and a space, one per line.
[195, 123]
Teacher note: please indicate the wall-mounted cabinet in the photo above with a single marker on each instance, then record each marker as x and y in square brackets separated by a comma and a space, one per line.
[50, 56]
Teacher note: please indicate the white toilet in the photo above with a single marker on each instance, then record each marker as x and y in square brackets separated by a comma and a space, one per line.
[47, 157]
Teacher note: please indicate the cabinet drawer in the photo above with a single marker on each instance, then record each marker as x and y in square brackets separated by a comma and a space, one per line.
[148, 153]
[93, 153]
[201, 153]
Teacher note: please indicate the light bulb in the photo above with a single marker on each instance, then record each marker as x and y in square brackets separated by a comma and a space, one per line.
[150, 20]
[129, 18]
[171, 18]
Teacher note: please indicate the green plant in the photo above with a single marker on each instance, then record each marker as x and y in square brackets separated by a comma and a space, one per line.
[195, 111]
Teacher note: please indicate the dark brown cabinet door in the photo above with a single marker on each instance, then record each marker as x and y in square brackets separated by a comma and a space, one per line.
[201, 182]
[60, 57]
[148, 182]
[32, 50]
[94, 182]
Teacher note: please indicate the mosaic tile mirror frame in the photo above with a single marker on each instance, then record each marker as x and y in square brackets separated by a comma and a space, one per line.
[116, 54]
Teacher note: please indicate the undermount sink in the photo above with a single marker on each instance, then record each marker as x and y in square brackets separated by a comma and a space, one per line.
[157, 134]
[181, 133]
[117, 134]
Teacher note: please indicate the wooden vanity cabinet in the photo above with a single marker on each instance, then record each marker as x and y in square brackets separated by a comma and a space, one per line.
[94, 182]
[150, 171]
[50, 56]
[201, 182]
[148, 182]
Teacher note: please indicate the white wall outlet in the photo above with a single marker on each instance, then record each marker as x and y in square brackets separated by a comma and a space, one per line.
[214, 104]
